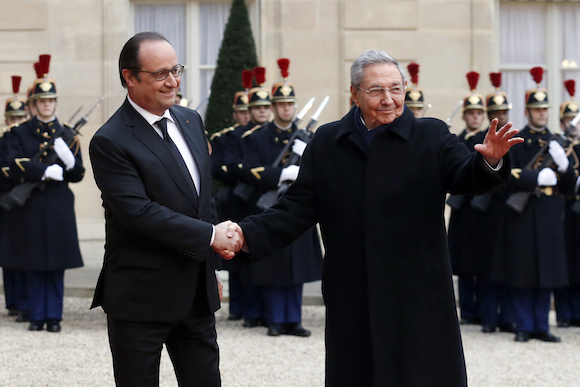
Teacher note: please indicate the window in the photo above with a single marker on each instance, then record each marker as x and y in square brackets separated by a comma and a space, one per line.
[195, 29]
[538, 34]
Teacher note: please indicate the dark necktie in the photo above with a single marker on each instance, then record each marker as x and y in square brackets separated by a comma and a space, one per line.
[162, 124]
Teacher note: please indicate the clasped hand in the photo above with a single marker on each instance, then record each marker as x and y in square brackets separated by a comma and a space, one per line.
[228, 239]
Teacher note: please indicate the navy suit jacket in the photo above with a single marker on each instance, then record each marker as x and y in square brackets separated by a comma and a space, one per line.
[157, 228]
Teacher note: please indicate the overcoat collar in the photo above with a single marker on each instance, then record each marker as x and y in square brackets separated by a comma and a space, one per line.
[149, 137]
[401, 126]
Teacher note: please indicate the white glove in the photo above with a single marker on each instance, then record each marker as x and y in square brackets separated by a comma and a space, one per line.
[298, 147]
[547, 177]
[558, 155]
[53, 172]
[64, 153]
[290, 173]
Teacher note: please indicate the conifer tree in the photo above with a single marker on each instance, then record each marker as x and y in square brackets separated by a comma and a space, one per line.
[237, 53]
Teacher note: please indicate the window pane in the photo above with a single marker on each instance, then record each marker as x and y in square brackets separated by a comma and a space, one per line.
[168, 19]
[213, 18]
[522, 28]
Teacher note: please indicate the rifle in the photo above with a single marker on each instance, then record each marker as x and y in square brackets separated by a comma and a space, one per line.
[21, 193]
[268, 199]
[244, 190]
[518, 200]
[450, 118]
[75, 113]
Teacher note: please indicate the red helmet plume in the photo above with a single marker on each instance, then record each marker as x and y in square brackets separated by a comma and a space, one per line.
[38, 70]
[247, 76]
[260, 74]
[472, 78]
[284, 63]
[16, 83]
[495, 79]
[414, 72]
[570, 85]
[44, 61]
[537, 74]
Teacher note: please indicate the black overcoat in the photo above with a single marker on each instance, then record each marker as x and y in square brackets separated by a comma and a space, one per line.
[531, 251]
[42, 234]
[387, 284]
[466, 235]
[301, 261]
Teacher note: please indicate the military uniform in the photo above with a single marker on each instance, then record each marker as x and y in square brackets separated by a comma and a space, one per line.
[281, 276]
[414, 98]
[567, 299]
[465, 226]
[532, 259]
[43, 231]
[14, 281]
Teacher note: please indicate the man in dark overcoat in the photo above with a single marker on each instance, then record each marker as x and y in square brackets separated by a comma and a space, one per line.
[376, 182]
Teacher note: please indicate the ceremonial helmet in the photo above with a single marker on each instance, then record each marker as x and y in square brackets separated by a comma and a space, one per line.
[414, 95]
[241, 97]
[569, 109]
[284, 91]
[538, 97]
[497, 100]
[257, 96]
[473, 101]
[15, 105]
[43, 87]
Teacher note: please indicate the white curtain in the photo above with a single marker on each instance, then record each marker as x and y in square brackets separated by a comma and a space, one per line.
[569, 30]
[168, 19]
[213, 18]
[521, 36]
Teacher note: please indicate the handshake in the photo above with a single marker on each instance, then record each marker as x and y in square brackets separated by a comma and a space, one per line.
[228, 240]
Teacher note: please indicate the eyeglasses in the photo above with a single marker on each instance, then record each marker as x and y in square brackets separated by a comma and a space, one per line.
[162, 75]
[378, 91]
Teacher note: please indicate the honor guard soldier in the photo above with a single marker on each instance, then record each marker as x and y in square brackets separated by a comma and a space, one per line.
[414, 95]
[228, 206]
[46, 156]
[532, 260]
[495, 303]
[282, 275]
[567, 299]
[242, 199]
[14, 285]
[464, 226]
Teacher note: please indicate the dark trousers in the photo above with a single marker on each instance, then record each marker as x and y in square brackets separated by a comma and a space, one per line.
[468, 297]
[253, 302]
[532, 307]
[191, 344]
[236, 292]
[283, 303]
[495, 303]
[9, 278]
[45, 290]
[567, 303]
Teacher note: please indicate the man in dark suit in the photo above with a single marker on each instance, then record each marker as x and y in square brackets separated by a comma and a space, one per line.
[158, 285]
[376, 183]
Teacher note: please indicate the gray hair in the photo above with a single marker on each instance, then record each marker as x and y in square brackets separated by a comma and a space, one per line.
[367, 58]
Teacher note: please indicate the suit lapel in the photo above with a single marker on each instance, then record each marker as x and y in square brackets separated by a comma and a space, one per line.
[147, 135]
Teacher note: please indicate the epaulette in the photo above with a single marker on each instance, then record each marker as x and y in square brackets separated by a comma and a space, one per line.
[223, 131]
[248, 132]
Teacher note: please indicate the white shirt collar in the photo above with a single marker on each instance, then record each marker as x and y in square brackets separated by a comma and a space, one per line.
[150, 117]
